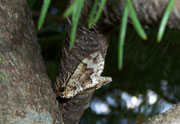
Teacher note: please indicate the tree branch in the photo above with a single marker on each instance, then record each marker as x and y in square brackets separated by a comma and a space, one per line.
[172, 116]
[149, 12]
[92, 40]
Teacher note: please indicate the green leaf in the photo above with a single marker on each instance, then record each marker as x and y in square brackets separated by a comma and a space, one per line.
[165, 19]
[92, 20]
[92, 12]
[43, 13]
[71, 8]
[122, 33]
[75, 18]
[135, 20]
[0, 59]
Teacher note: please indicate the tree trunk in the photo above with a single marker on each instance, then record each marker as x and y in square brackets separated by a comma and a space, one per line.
[26, 95]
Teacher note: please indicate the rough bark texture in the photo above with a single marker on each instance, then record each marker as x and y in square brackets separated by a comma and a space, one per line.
[172, 116]
[26, 95]
[87, 42]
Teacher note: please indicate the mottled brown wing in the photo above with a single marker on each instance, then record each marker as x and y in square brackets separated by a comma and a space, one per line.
[86, 76]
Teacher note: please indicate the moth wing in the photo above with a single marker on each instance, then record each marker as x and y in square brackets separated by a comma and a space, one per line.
[86, 76]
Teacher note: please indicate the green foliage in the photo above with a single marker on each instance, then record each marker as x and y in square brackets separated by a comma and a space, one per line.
[75, 10]
[128, 8]
[44, 10]
[75, 18]
[71, 8]
[76, 7]
[135, 20]
[165, 19]
[0, 59]
[122, 36]
[138, 26]
[92, 20]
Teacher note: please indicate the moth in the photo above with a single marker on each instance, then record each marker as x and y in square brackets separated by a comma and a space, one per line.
[87, 77]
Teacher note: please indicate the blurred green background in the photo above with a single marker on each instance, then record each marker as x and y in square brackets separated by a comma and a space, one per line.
[148, 83]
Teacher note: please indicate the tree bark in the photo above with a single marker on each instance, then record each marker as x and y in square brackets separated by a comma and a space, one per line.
[172, 116]
[87, 42]
[26, 95]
